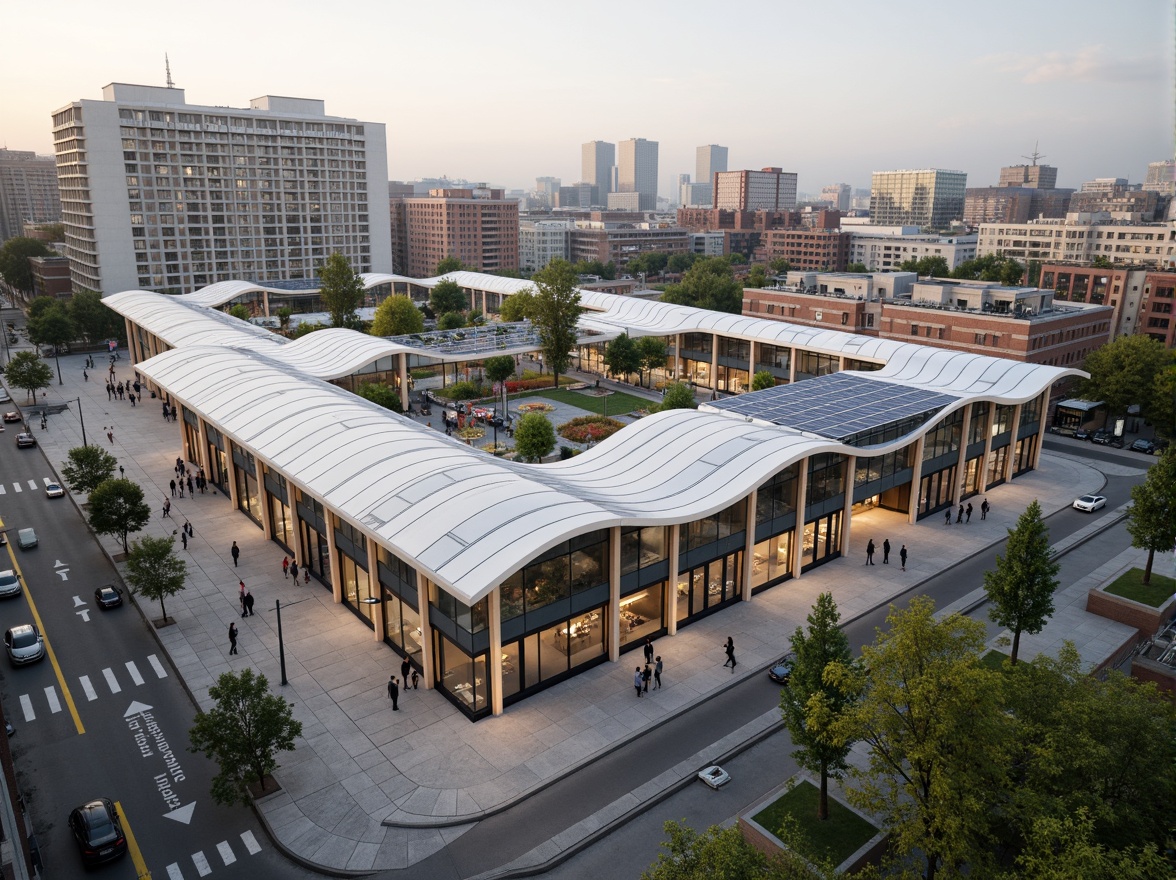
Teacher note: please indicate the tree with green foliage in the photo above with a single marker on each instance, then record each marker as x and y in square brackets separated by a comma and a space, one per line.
[756, 278]
[708, 284]
[117, 508]
[931, 716]
[449, 264]
[678, 395]
[517, 307]
[534, 436]
[39, 305]
[621, 356]
[243, 732]
[92, 319]
[1021, 587]
[654, 352]
[451, 321]
[1101, 262]
[857, 268]
[154, 570]
[88, 468]
[1124, 372]
[498, 369]
[27, 371]
[53, 231]
[305, 328]
[341, 291]
[735, 258]
[397, 316]
[380, 394]
[813, 705]
[1162, 410]
[723, 854]
[240, 311]
[762, 380]
[651, 263]
[555, 309]
[679, 263]
[476, 318]
[606, 271]
[1151, 522]
[284, 314]
[1063, 848]
[991, 267]
[780, 266]
[14, 260]
[447, 296]
[927, 267]
[52, 327]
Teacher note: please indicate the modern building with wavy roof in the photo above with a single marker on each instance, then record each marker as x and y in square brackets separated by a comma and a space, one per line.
[498, 578]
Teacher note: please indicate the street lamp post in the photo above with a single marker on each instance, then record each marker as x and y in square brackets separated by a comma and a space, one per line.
[82, 420]
[281, 643]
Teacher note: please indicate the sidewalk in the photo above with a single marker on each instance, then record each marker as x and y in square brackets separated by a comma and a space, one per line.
[368, 790]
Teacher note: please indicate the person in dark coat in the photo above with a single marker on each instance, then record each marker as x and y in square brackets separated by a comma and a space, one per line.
[249, 603]
[968, 513]
[416, 681]
[294, 570]
[886, 552]
[902, 556]
[236, 553]
[232, 638]
[646, 675]
[870, 552]
[648, 650]
[947, 517]
[393, 692]
[405, 670]
[960, 515]
[984, 509]
[730, 649]
[657, 671]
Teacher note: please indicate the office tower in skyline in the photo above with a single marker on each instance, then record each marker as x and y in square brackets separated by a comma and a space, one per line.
[839, 195]
[1032, 176]
[28, 191]
[1161, 177]
[597, 159]
[637, 171]
[158, 194]
[767, 190]
[927, 197]
[479, 226]
[708, 161]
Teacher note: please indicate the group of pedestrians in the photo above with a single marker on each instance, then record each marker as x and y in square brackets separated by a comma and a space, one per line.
[871, 549]
[651, 672]
[121, 390]
[964, 514]
[290, 570]
[407, 675]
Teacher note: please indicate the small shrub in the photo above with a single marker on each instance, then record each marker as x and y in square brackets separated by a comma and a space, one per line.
[462, 391]
[589, 429]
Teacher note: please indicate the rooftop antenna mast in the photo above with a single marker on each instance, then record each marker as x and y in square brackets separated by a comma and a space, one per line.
[1035, 155]
[167, 66]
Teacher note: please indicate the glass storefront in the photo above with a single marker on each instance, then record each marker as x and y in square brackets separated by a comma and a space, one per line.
[1024, 454]
[771, 561]
[997, 461]
[822, 540]
[641, 614]
[351, 545]
[248, 495]
[542, 658]
[218, 463]
[709, 586]
[935, 491]
[282, 519]
[462, 676]
[316, 553]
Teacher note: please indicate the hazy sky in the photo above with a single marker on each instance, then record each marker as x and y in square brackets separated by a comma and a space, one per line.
[505, 92]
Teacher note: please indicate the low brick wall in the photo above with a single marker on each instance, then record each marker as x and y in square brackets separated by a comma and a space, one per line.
[1164, 677]
[1144, 618]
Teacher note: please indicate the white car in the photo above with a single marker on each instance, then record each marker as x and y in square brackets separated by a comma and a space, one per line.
[9, 583]
[54, 490]
[714, 776]
[24, 644]
[1089, 503]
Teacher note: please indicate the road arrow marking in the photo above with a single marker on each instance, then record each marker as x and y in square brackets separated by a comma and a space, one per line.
[183, 814]
[78, 603]
[59, 564]
[136, 708]
[84, 614]
[63, 573]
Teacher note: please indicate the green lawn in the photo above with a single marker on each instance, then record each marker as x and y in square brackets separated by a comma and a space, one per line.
[1130, 585]
[994, 660]
[617, 403]
[833, 840]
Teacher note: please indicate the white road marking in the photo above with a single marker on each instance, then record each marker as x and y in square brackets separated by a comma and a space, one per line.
[91, 694]
[174, 872]
[27, 705]
[54, 703]
[201, 864]
[157, 666]
[46, 480]
[134, 671]
[33, 485]
[251, 843]
[111, 680]
[3, 491]
[226, 852]
[16, 487]
[78, 603]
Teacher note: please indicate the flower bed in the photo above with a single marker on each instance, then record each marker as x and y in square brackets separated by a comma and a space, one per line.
[516, 385]
[589, 429]
[494, 449]
[471, 433]
[537, 406]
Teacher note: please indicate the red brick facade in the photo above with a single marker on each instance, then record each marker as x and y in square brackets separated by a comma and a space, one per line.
[1155, 312]
[820, 249]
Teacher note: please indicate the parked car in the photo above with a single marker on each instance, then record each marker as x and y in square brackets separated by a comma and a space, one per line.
[1101, 437]
[1089, 503]
[1142, 445]
[9, 584]
[26, 539]
[98, 832]
[781, 670]
[24, 644]
[1115, 442]
[54, 490]
[714, 776]
[1081, 434]
[108, 596]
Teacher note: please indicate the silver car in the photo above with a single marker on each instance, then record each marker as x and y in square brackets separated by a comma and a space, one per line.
[9, 584]
[24, 644]
[26, 539]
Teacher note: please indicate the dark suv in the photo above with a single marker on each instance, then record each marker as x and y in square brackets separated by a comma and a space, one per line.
[97, 832]
[1142, 445]
[1101, 437]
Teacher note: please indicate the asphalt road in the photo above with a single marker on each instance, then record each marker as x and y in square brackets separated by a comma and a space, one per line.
[105, 714]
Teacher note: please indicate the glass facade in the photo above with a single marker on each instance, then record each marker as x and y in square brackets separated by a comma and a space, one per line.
[822, 540]
[281, 517]
[351, 545]
[316, 553]
[707, 587]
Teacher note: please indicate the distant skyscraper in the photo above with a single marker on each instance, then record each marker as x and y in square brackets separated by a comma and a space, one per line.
[28, 191]
[838, 195]
[1161, 177]
[707, 161]
[768, 190]
[1035, 176]
[637, 170]
[929, 197]
[597, 159]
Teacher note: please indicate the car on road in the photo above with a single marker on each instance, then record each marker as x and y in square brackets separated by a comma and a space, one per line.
[1142, 445]
[1102, 438]
[54, 490]
[24, 644]
[4, 396]
[1090, 503]
[108, 596]
[9, 584]
[781, 670]
[24, 440]
[1081, 434]
[26, 539]
[12, 416]
[714, 776]
[98, 832]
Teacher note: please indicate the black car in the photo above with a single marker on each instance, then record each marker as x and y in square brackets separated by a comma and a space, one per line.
[1081, 434]
[97, 832]
[1142, 445]
[108, 596]
[1115, 442]
[781, 670]
[1102, 438]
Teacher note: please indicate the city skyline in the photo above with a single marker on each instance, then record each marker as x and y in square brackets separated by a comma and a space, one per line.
[1087, 87]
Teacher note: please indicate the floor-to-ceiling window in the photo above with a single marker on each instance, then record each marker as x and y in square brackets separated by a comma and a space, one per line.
[277, 497]
[351, 545]
[775, 523]
[644, 568]
[248, 492]
[312, 522]
[402, 619]
[710, 562]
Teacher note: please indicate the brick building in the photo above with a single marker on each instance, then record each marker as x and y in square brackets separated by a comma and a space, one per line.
[619, 243]
[820, 249]
[1120, 287]
[478, 226]
[51, 277]
[1156, 318]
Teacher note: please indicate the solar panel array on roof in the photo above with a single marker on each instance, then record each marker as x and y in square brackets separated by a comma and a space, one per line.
[836, 406]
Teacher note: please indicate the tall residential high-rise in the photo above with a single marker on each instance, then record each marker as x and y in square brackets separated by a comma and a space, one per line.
[637, 171]
[597, 159]
[768, 190]
[28, 191]
[163, 195]
[478, 226]
[928, 197]
[838, 195]
[1161, 177]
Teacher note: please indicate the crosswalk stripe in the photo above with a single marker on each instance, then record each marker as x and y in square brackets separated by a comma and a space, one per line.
[226, 852]
[54, 703]
[251, 843]
[134, 671]
[91, 694]
[3, 491]
[202, 866]
[33, 485]
[46, 480]
[111, 681]
[26, 706]
[16, 487]
[174, 872]
[157, 666]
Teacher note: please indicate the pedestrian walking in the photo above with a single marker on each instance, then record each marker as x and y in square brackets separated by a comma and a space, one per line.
[902, 554]
[232, 638]
[241, 596]
[648, 650]
[235, 553]
[406, 669]
[108, 390]
[191, 491]
[294, 570]
[416, 681]
[110, 436]
[188, 528]
[85, 375]
[960, 515]
[730, 649]
[184, 538]
[870, 552]
[393, 692]
[173, 488]
[657, 671]
[984, 509]
[646, 675]
[132, 397]
[637, 679]
[968, 513]
[286, 567]
[947, 517]
[886, 551]
[167, 507]
[181, 488]
[249, 603]
[306, 574]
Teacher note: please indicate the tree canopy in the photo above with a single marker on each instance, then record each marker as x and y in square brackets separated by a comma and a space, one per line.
[1021, 587]
[1125, 372]
[722, 854]
[534, 437]
[499, 368]
[243, 732]
[555, 309]
[762, 380]
[92, 319]
[447, 296]
[154, 570]
[14, 260]
[991, 267]
[654, 351]
[52, 326]
[240, 311]
[341, 291]
[606, 271]
[28, 372]
[380, 394]
[1152, 519]
[708, 284]
[517, 307]
[451, 321]
[449, 264]
[622, 356]
[397, 316]
[117, 508]
[934, 267]
[678, 395]
[88, 468]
